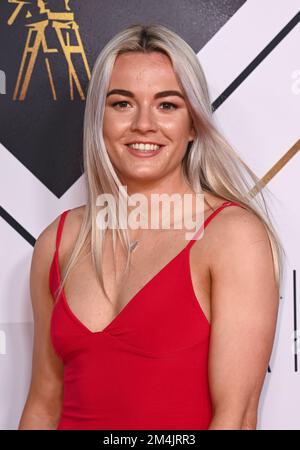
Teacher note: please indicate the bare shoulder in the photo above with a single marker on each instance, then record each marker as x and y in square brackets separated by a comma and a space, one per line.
[232, 224]
[239, 241]
[235, 225]
[44, 247]
[45, 243]
[43, 250]
[71, 229]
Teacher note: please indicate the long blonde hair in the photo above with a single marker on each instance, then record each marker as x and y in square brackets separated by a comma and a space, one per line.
[210, 164]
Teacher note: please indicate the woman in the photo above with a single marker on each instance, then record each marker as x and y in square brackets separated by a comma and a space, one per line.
[147, 330]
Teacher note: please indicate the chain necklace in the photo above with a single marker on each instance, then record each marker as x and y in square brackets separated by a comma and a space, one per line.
[133, 245]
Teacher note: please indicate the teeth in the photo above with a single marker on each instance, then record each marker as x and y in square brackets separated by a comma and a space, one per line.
[145, 147]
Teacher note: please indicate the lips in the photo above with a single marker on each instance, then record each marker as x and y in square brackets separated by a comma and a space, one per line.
[145, 143]
[144, 154]
[140, 142]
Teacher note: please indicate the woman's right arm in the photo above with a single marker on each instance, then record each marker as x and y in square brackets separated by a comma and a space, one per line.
[44, 400]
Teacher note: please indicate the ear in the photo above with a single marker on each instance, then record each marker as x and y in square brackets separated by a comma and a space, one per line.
[192, 134]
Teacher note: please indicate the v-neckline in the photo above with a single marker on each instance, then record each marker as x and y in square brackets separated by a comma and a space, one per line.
[129, 304]
[125, 307]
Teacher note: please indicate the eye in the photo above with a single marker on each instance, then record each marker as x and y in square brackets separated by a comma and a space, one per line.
[171, 104]
[119, 103]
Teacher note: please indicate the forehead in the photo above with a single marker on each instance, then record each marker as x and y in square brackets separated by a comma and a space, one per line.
[151, 69]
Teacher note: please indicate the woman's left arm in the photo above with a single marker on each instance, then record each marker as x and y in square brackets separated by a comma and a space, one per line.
[244, 308]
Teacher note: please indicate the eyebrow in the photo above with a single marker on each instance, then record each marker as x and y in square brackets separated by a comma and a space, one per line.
[161, 94]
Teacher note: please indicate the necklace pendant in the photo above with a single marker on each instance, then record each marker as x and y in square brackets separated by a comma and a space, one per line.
[132, 245]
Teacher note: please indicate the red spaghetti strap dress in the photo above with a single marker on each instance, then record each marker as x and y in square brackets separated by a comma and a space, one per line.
[148, 368]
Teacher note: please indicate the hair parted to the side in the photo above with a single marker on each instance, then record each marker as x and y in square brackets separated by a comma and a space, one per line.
[210, 163]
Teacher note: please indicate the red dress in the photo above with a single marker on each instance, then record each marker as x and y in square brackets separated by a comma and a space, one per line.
[148, 368]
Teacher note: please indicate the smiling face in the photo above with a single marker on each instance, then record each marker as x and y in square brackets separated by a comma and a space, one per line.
[141, 115]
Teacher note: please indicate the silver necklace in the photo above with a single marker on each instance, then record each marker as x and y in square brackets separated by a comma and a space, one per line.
[133, 245]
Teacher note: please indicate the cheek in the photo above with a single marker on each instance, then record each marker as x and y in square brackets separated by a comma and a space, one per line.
[109, 123]
[106, 128]
[110, 133]
[113, 130]
[178, 129]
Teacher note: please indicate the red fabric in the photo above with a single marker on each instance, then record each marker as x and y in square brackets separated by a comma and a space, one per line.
[148, 369]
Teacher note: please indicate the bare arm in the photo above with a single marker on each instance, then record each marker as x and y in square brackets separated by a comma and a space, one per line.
[43, 404]
[244, 315]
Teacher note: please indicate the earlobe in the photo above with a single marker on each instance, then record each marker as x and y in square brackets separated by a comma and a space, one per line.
[192, 135]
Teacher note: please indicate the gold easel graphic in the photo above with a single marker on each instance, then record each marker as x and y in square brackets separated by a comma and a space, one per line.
[65, 27]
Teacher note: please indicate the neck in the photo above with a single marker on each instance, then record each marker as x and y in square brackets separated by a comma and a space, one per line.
[171, 184]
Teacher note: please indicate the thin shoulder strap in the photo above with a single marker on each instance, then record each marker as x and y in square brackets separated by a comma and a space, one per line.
[209, 218]
[60, 228]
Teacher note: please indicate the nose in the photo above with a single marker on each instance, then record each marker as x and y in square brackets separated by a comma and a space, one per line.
[144, 119]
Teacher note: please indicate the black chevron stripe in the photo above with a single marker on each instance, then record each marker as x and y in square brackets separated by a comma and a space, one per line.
[256, 61]
[17, 227]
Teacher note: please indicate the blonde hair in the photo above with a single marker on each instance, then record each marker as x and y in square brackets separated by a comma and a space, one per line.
[210, 163]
